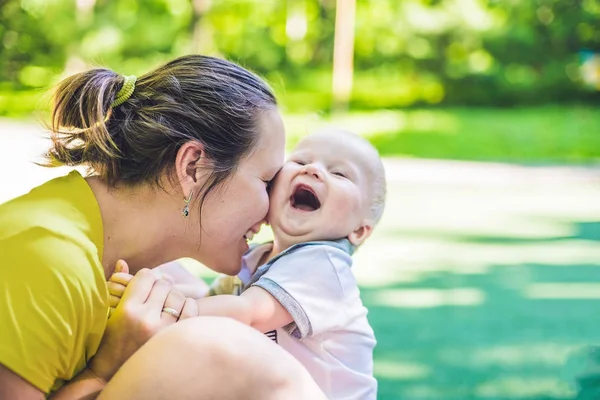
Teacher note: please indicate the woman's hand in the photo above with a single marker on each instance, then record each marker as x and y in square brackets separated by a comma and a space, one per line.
[138, 316]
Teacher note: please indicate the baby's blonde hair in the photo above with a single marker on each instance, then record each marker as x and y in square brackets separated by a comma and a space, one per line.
[378, 185]
[379, 191]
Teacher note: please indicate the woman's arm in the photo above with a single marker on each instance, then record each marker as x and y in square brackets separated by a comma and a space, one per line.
[12, 386]
[86, 386]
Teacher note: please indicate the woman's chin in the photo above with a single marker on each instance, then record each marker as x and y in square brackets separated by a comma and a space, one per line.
[234, 270]
[227, 261]
[227, 267]
[231, 261]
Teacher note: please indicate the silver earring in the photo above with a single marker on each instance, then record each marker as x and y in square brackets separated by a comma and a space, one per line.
[186, 210]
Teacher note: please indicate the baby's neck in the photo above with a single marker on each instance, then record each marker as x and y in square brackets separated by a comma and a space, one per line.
[278, 247]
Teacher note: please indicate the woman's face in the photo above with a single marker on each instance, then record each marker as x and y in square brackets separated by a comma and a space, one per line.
[239, 205]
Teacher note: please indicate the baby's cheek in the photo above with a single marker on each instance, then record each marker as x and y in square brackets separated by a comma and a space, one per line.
[353, 201]
[264, 203]
[349, 209]
[344, 210]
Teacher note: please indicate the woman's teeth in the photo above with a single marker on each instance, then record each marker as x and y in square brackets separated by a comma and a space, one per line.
[249, 235]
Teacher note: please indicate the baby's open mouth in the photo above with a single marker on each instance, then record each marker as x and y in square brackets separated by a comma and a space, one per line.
[304, 199]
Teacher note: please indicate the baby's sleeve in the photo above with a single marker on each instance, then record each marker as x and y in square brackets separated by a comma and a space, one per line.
[308, 284]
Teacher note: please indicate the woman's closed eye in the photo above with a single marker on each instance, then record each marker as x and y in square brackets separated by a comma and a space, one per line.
[268, 184]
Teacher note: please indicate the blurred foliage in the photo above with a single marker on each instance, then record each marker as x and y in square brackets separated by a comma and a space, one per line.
[407, 52]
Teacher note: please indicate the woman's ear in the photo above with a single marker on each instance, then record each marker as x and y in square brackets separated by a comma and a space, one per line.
[190, 166]
[361, 233]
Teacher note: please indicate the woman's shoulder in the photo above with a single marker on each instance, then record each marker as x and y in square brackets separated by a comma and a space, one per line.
[55, 228]
[39, 252]
[62, 207]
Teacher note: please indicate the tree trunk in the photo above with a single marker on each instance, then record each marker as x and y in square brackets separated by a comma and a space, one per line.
[202, 39]
[343, 54]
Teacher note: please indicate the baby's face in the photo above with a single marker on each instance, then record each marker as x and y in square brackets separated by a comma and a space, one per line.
[323, 190]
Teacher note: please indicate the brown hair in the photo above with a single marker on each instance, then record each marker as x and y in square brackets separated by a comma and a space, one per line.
[194, 97]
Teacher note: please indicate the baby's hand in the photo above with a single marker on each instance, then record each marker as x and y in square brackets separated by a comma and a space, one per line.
[116, 287]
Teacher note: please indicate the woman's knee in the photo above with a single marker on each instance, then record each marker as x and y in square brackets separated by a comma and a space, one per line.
[248, 358]
[211, 336]
[216, 357]
[227, 343]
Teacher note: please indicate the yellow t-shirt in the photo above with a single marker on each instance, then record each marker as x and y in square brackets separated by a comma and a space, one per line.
[53, 293]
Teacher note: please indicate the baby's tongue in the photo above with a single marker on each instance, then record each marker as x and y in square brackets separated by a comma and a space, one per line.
[304, 207]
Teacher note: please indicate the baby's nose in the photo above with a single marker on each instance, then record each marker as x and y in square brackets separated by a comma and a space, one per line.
[311, 169]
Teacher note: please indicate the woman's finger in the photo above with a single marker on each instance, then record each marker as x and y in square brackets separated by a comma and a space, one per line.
[121, 277]
[158, 295]
[163, 275]
[173, 306]
[140, 286]
[116, 289]
[190, 309]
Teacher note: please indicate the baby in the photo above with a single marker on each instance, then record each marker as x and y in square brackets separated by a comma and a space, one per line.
[299, 289]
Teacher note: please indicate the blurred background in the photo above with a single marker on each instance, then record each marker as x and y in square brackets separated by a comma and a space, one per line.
[483, 276]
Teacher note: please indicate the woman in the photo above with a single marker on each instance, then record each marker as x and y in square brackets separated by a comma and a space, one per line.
[181, 158]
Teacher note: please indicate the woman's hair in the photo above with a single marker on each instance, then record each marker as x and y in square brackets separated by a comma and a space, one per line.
[192, 98]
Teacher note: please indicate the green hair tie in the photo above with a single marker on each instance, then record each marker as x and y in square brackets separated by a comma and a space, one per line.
[126, 91]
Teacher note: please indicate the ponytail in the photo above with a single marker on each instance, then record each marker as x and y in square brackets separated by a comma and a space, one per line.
[78, 130]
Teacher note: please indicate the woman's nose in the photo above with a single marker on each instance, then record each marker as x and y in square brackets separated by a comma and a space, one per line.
[313, 170]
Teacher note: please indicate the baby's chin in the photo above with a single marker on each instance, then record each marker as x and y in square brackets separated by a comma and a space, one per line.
[293, 234]
[290, 237]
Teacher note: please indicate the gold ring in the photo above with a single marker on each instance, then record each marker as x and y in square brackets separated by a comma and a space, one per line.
[171, 311]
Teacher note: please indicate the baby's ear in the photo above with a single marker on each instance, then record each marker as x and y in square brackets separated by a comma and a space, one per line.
[361, 233]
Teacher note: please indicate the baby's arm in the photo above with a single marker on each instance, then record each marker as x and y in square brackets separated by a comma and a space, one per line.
[255, 307]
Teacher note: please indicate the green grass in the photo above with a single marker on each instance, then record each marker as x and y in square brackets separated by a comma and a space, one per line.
[529, 135]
